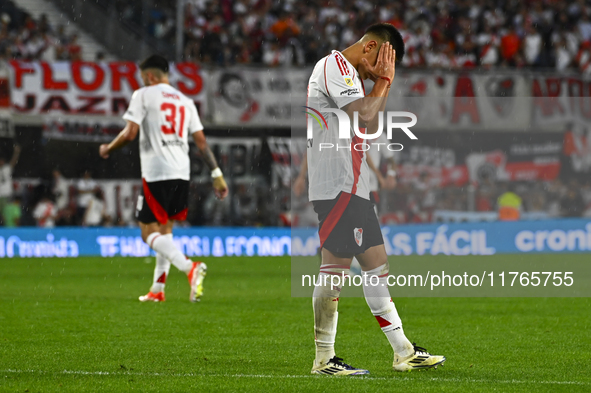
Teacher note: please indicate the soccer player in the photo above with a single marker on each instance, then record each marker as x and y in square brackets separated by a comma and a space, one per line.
[165, 118]
[339, 190]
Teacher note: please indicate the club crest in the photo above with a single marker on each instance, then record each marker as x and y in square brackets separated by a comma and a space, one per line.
[358, 234]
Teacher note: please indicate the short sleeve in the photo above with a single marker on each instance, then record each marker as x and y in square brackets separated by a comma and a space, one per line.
[342, 84]
[136, 110]
[195, 122]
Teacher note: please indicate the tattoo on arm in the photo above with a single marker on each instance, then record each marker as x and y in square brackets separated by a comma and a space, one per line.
[208, 157]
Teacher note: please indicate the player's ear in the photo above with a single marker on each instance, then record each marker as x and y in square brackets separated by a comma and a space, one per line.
[369, 46]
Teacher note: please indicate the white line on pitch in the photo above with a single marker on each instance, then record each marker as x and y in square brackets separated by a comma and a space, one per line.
[434, 379]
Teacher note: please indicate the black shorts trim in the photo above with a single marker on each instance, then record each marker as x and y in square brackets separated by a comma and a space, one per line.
[348, 225]
[161, 201]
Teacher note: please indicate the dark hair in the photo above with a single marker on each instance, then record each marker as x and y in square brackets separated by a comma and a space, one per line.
[155, 61]
[388, 33]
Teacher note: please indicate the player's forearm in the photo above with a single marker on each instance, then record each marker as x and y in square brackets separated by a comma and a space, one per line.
[380, 89]
[208, 157]
[128, 134]
[368, 107]
[373, 125]
[120, 140]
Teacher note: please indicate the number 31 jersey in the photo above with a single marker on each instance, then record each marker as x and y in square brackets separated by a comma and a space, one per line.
[166, 118]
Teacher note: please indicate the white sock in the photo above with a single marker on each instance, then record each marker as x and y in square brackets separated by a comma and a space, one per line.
[164, 245]
[160, 273]
[383, 308]
[325, 302]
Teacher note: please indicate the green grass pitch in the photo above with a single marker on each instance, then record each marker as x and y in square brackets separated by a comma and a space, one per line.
[74, 325]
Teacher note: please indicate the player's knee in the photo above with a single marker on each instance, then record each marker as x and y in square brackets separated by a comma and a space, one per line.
[147, 230]
[145, 235]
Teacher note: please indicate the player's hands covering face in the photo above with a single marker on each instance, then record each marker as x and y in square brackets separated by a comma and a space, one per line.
[385, 64]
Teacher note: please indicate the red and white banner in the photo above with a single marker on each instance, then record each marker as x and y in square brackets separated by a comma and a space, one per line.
[6, 128]
[463, 101]
[87, 99]
[90, 89]
[558, 102]
[257, 97]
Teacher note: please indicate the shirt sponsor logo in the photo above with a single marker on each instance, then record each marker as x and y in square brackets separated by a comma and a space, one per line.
[349, 92]
[172, 143]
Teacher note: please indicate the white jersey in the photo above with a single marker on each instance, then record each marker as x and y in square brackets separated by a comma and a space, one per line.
[94, 212]
[166, 118]
[376, 153]
[5, 181]
[335, 83]
[45, 213]
[85, 189]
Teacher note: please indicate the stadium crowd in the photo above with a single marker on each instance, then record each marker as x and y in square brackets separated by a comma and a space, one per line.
[453, 34]
[420, 200]
[58, 201]
[445, 34]
[23, 37]
[423, 200]
[81, 202]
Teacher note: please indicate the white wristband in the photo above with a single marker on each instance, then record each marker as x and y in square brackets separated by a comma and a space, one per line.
[392, 172]
[217, 172]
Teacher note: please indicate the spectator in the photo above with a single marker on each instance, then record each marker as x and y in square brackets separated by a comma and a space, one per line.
[452, 34]
[60, 191]
[66, 208]
[488, 42]
[583, 59]
[86, 187]
[584, 26]
[532, 46]
[572, 205]
[95, 211]
[274, 55]
[12, 212]
[44, 27]
[6, 186]
[74, 49]
[562, 56]
[29, 39]
[285, 27]
[45, 213]
[510, 46]
[127, 216]
[509, 205]
[163, 27]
